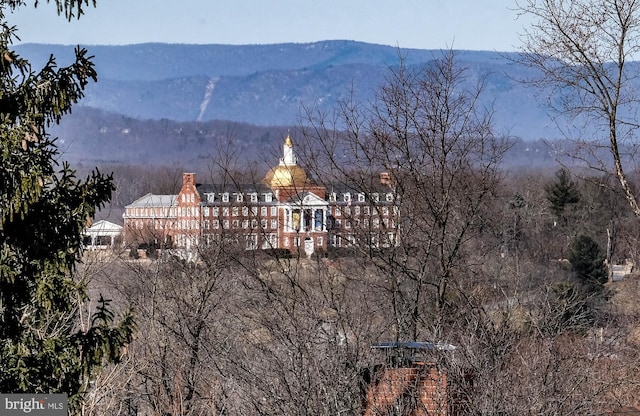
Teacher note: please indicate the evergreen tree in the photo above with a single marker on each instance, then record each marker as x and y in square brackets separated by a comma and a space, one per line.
[587, 260]
[561, 193]
[44, 207]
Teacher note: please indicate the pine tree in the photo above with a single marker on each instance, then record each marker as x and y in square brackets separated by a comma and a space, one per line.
[44, 208]
[587, 260]
[561, 193]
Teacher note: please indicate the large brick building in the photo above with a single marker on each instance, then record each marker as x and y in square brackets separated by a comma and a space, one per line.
[287, 210]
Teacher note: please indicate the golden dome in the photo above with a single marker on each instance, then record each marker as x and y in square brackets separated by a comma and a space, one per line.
[287, 173]
[283, 175]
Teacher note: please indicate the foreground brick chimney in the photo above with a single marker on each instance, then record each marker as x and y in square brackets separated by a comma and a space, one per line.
[407, 385]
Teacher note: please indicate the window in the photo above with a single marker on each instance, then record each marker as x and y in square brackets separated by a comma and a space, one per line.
[254, 224]
[263, 211]
[268, 197]
[225, 197]
[254, 211]
[225, 224]
[361, 197]
[184, 198]
[274, 211]
[206, 224]
[254, 197]
[206, 211]
[357, 210]
[274, 224]
[245, 224]
[376, 223]
[319, 241]
[235, 211]
[385, 211]
[263, 224]
[375, 197]
[296, 241]
[245, 211]
[239, 197]
[236, 224]
[389, 197]
[225, 211]
[216, 211]
[367, 210]
[346, 197]
[252, 242]
[332, 197]
[216, 224]
[211, 197]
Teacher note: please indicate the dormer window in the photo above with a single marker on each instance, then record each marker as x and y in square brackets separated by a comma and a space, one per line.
[332, 197]
[361, 197]
[268, 197]
[239, 197]
[211, 197]
[375, 197]
[389, 197]
[225, 197]
[254, 197]
[346, 197]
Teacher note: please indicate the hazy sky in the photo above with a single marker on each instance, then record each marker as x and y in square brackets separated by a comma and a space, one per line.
[427, 24]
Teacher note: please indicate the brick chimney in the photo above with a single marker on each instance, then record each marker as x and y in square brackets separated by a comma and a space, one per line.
[406, 384]
[385, 178]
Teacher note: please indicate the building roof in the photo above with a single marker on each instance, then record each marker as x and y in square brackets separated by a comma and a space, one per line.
[287, 173]
[284, 176]
[151, 200]
[232, 188]
[414, 345]
[103, 227]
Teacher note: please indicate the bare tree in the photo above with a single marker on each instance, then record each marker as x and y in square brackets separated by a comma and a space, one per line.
[428, 132]
[583, 51]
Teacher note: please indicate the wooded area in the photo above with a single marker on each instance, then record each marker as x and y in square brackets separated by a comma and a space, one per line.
[500, 279]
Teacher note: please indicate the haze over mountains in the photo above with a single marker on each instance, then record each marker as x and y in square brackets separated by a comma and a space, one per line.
[164, 98]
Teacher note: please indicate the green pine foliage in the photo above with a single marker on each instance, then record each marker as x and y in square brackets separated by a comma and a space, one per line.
[44, 207]
[561, 193]
[587, 260]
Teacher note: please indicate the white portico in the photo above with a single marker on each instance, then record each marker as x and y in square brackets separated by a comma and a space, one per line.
[305, 213]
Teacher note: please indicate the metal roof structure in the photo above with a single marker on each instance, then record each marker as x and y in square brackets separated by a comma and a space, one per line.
[151, 200]
[414, 345]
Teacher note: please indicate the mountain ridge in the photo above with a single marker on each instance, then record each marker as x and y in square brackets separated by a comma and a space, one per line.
[268, 85]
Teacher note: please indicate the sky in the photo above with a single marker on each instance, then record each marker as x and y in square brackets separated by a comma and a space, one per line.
[425, 24]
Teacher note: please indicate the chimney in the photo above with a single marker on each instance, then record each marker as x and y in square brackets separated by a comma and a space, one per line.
[385, 178]
[188, 179]
[407, 382]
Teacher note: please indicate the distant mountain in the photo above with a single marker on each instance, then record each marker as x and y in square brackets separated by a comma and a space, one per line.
[267, 85]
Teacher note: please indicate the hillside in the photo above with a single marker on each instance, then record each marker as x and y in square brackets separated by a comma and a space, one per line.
[266, 85]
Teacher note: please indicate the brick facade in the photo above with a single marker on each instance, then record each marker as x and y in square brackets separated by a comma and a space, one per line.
[286, 211]
[417, 390]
